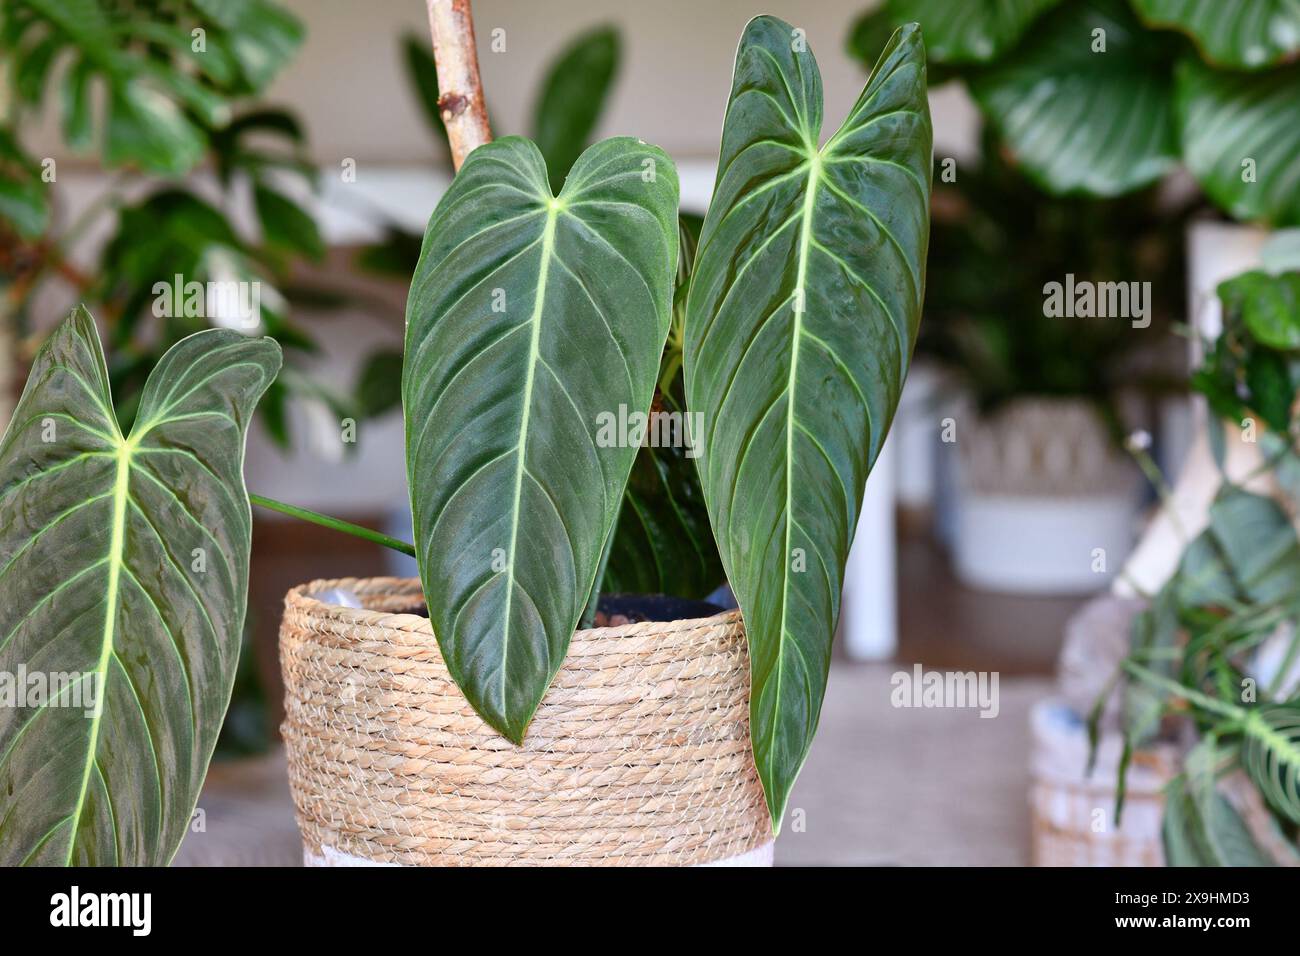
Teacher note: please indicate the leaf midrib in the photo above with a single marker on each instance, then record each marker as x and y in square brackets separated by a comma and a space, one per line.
[116, 548]
[534, 355]
[815, 160]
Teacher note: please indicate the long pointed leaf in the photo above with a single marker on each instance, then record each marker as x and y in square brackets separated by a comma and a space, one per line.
[123, 573]
[800, 324]
[529, 319]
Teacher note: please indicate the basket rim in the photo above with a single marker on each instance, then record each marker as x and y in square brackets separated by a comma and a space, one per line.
[303, 598]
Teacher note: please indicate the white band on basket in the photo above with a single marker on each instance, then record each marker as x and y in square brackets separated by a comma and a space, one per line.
[759, 856]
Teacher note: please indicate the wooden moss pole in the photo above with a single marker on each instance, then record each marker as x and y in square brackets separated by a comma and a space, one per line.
[460, 99]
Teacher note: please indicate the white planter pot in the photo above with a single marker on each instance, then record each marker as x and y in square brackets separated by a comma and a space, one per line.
[1042, 545]
[1044, 502]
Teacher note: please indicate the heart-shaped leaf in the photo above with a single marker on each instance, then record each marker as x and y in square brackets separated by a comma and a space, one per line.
[1085, 103]
[1237, 35]
[800, 324]
[1241, 139]
[123, 585]
[531, 321]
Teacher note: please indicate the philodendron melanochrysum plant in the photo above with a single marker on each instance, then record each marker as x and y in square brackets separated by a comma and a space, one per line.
[800, 323]
[123, 587]
[531, 316]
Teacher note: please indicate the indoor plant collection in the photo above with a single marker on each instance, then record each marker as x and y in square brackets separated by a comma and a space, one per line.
[530, 316]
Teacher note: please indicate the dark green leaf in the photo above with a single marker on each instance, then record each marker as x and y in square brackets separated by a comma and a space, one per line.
[529, 319]
[1241, 139]
[1270, 306]
[1235, 34]
[285, 225]
[148, 130]
[572, 97]
[125, 567]
[1081, 121]
[973, 31]
[802, 315]
[379, 388]
[262, 36]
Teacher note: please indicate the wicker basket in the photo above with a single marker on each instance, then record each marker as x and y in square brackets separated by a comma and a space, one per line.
[1073, 812]
[639, 753]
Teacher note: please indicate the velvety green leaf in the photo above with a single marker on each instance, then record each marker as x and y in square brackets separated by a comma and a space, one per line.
[973, 31]
[423, 74]
[529, 319]
[1238, 34]
[572, 97]
[1080, 121]
[800, 324]
[286, 225]
[1270, 306]
[1241, 139]
[148, 130]
[1271, 756]
[124, 566]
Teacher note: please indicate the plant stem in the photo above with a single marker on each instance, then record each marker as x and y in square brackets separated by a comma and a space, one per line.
[451, 22]
[1195, 697]
[337, 524]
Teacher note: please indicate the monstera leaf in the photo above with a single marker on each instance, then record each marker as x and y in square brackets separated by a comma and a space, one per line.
[1238, 35]
[1241, 139]
[1078, 118]
[800, 324]
[123, 584]
[531, 320]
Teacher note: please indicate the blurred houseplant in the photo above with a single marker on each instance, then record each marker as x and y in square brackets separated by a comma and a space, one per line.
[1099, 99]
[1216, 655]
[162, 102]
[1042, 395]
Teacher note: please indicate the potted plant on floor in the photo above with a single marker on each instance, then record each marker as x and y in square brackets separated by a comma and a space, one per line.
[1217, 649]
[1205, 699]
[488, 731]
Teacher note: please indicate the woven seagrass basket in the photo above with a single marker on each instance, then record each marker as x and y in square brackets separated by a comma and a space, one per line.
[639, 753]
